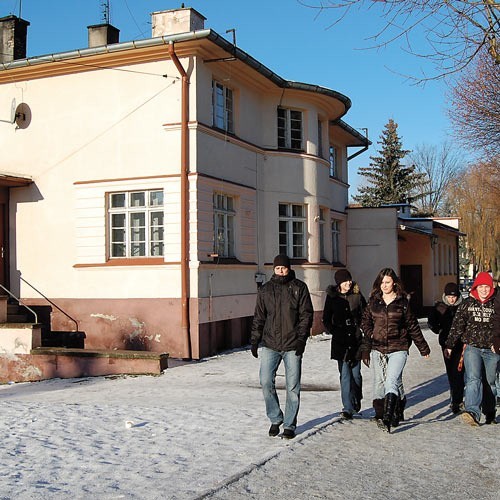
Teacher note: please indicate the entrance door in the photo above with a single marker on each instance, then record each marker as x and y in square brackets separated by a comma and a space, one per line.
[411, 276]
[3, 246]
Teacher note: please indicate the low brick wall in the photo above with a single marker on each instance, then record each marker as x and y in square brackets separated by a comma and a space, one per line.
[57, 362]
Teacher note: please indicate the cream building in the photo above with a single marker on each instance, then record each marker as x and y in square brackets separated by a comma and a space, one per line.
[146, 186]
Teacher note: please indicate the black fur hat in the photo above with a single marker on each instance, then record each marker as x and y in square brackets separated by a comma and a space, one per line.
[342, 275]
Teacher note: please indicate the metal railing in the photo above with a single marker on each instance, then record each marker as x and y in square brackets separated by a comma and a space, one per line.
[20, 302]
[49, 301]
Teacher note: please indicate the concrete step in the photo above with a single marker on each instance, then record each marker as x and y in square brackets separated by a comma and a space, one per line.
[17, 318]
[68, 339]
[74, 363]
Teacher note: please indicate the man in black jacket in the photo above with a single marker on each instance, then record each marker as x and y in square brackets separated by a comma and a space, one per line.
[282, 321]
[439, 321]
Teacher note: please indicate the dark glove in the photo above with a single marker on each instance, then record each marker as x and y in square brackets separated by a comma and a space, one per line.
[365, 357]
[300, 348]
[254, 348]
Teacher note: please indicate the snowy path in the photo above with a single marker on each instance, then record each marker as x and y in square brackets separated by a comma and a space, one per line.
[200, 431]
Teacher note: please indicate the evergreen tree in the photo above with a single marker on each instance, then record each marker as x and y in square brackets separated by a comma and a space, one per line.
[391, 182]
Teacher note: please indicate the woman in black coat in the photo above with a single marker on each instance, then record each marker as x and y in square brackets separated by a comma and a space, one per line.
[341, 318]
[389, 327]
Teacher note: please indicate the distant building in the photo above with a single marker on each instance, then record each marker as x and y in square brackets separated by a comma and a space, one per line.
[423, 251]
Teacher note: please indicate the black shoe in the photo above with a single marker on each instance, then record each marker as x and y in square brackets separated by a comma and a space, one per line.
[490, 418]
[346, 415]
[288, 434]
[274, 430]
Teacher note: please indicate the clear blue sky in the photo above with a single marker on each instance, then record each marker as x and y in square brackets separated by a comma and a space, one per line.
[294, 41]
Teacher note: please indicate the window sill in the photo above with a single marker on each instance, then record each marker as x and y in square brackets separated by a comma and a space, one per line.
[223, 260]
[144, 261]
[291, 150]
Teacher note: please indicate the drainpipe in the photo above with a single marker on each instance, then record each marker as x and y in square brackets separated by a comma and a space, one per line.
[184, 200]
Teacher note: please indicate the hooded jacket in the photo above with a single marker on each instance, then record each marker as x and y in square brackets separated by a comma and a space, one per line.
[391, 327]
[473, 323]
[341, 319]
[441, 318]
[496, 323]
[283, 313]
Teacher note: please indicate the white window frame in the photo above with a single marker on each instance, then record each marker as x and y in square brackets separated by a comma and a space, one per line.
[137, 238]
[290, 129]
[224, 225]
[222, 107]
[336, 232]
[292, 230]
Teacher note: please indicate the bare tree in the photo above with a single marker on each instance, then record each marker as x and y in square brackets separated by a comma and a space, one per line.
[455, 31]
[475, 107]
[476, 194]
[440, 164]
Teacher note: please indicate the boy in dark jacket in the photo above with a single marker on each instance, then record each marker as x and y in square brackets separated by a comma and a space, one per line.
[282, 322]
[439, 321]
[473, 326]
[342, 313]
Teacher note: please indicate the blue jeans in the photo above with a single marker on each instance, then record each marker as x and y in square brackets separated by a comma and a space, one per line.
[269, 363]
[350, 386]
[387, 370]
[480, 386]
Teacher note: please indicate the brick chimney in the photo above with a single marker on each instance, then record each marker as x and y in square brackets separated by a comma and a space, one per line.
[171, 22]
[13, 36]
[103, 34]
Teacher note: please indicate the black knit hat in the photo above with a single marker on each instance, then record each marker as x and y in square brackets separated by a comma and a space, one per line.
[451, 289]
[281, 260]
[342, 275]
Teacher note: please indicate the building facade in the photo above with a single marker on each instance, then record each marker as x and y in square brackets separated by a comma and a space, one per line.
[146, 186]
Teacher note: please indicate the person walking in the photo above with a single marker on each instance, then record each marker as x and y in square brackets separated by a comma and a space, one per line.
[439, 321]
[473, 325]
[281, 323]
[496, 337]
[342, 313]
[389, 327]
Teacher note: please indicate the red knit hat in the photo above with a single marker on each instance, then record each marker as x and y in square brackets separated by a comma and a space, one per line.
[482, 279]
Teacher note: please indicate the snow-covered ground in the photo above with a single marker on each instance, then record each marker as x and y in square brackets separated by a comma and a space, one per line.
[200, 431]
